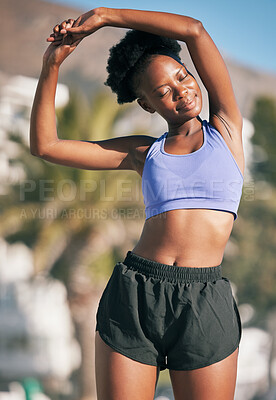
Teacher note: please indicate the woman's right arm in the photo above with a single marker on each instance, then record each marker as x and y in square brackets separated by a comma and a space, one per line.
[44, 142]
[115, 153]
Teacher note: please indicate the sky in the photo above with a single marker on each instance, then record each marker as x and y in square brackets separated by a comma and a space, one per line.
[243, 30]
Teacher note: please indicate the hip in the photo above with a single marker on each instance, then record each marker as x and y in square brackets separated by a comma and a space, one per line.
[151, 311]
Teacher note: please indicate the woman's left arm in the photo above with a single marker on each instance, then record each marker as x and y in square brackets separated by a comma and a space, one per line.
[224, 111]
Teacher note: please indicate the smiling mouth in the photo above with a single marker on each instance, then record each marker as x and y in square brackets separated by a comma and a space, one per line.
[186, 105]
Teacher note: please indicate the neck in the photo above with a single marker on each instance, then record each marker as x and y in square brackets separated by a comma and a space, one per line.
[188, 128]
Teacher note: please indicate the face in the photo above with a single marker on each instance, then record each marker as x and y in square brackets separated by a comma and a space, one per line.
[167, 88]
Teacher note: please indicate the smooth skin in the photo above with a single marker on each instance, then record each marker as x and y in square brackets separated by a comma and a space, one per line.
[188, 237]
[120, 378]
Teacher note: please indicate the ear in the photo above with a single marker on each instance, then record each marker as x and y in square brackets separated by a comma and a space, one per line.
[145, 106]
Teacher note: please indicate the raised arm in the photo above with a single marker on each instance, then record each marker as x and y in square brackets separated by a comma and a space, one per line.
[115, 153]
[224, 111]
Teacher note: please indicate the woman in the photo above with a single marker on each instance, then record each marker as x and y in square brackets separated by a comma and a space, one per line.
[166, 305]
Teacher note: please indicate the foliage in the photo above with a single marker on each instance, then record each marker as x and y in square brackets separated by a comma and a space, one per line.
[264, 121]
[251, 264]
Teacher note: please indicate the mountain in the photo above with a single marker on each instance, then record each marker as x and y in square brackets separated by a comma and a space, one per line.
[26, 24]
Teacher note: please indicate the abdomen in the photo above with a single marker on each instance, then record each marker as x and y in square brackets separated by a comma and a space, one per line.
[186, 237]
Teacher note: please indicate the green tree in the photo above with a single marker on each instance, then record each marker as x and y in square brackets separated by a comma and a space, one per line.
[264, 121]
[251, 263]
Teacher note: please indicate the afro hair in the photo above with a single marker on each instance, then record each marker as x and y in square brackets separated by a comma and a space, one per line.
[129, 56]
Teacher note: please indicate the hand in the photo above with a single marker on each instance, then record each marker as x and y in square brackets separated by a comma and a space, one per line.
[59, 31]
[62, 44]
[85, 25]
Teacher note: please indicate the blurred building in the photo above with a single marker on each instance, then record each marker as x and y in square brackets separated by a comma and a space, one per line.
[16, 98]
[253, 377]
[36, 331]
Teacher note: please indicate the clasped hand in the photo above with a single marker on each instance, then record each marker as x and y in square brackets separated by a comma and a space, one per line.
[67, 35]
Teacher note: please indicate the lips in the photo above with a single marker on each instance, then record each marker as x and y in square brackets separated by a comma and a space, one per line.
[186, 105]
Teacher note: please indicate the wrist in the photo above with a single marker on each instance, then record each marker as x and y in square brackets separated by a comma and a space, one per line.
[49, 68]
[110, 16]
[102, 14]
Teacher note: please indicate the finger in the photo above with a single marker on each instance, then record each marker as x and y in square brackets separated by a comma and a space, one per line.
[77, 22]
[68, 24]
[63, 24]
[57, 43]
[77, 29]
[62, 27]
[51, 37]
[57, 37]
[54, 37]
[70, 21]
[64, 30]
[56, 28]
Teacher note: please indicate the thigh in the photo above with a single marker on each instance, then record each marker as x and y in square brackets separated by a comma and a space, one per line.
[121, 378]
[215, 382]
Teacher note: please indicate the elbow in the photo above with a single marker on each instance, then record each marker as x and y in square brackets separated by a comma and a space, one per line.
[198, 28]
[194, 31]
[37, 152]
[34, 147]
[34, 151]
[42, 151]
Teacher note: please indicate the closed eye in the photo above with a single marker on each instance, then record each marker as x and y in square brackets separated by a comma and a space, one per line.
[163, 94]
[180, 79]
[183, 77]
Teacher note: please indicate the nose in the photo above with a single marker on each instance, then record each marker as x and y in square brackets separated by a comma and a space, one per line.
[180, 92]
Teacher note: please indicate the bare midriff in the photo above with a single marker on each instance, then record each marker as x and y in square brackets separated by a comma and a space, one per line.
[186, 237]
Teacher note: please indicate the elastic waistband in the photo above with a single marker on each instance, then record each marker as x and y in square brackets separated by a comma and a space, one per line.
[158, 270]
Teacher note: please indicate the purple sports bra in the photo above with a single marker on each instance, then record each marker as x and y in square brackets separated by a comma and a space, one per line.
[207, 178]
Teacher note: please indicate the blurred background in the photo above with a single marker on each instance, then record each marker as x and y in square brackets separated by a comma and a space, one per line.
[62, 230]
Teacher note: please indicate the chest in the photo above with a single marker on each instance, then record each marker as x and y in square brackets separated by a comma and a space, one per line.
[181, 145]
[188, 145]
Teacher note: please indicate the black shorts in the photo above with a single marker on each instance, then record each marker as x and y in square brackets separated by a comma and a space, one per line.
[180, 318]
